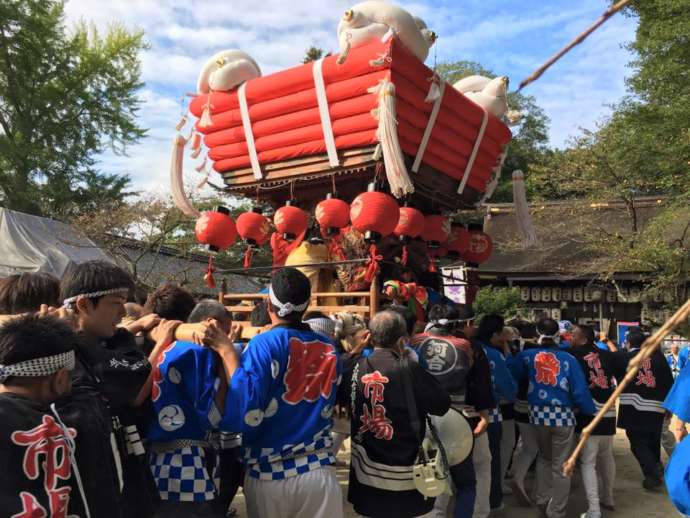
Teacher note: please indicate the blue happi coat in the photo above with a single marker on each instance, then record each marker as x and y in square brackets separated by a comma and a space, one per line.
[556, 387]
[503, 384]
[185, 383]
[282, 398]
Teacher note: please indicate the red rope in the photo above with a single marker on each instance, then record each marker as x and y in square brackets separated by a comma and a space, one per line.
[248, 257]
[208, 277]
[373, 267]
[405, 256]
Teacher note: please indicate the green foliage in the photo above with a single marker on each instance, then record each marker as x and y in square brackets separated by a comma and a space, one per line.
[66, 97]
[502, 301]
[530, 137]
[312, 54]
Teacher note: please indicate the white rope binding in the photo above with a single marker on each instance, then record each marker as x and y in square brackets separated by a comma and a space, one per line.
[248, 134]
[429, 126]
[322, 100]
[475, 150]
[285, 308]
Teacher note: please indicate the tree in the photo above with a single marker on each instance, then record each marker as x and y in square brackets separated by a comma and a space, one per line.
[501, 301]
[313, 53]
[641, 149]
[530, 137]
[64, 98]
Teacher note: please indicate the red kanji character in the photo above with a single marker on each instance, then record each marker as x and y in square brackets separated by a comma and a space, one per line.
[46, 439]
[311, 371]
[374, 386]
[645, 376]
[548, 367]
[157, 376]
[30, 507]
[598, 377]
[59, 501]
[376, 422]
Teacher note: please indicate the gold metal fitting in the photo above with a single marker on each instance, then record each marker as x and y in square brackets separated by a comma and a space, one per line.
[433, 36]
[349, 14]
[220, 62]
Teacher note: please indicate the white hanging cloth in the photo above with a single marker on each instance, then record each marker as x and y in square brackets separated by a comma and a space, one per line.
[248, 133]
[322, 100]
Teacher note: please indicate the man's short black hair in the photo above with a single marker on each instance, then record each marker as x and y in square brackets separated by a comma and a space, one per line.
[209, 308]
[291, 285]
[25, 292]
[259, 316]
[443, 311]
[635, 338]
[29, 337]
[489, 325]
[407, 314]
[387, 327]
[547, 326]
[170, 302]
[94, 276]
[588, 331]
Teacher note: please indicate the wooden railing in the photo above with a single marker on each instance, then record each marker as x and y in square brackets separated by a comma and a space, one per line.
[367, 306]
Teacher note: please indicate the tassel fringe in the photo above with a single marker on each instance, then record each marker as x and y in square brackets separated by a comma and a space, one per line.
[205, 121]
[387, 134]
[179, 196]
[522, 214]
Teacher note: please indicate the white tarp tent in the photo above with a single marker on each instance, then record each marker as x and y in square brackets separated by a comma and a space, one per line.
[32, 244]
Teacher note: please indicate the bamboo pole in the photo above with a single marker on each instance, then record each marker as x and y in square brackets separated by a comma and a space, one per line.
[650, 345]
[607, 14]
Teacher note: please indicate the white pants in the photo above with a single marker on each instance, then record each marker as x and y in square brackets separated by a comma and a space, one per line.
[597, 456]
[315, 494]
[507, 443]
[525, 453]
[481, 458]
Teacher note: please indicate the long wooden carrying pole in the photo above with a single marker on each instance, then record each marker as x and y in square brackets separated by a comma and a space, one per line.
[650, 345]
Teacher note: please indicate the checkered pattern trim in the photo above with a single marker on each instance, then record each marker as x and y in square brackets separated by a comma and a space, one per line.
[181, 475]
[551, 415]
[275, 464]
[495, 415]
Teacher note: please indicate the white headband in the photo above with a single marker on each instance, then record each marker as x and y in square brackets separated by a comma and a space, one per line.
[38, 367]
[69, 302]
[556, 338]
[285, 308]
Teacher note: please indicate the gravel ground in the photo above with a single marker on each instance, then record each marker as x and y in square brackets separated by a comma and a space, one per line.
[631, 500]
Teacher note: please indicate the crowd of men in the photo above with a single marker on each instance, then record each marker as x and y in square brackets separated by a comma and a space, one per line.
[104, 413]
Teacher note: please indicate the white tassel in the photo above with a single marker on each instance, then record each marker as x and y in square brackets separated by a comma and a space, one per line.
[205, 121]
[522, 214]
[495, 177]
[343, 55]
[201, 166]
[203, 181]
[180, 124]
[389, 34]
[196, 153]
[196, 141]
[381, 60]
[434, 92]
[387, 134]
[179, 197]
[377, 150]
[513, 117]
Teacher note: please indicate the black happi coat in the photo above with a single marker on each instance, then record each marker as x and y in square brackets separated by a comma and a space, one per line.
[37, 471]
[107, 378]
[384, 444]
[640, 405]
[599, 367]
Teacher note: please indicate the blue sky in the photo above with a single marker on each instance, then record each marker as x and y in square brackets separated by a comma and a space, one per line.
[511, 37]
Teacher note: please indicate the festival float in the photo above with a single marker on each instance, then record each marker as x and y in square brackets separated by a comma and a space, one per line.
[363, 155]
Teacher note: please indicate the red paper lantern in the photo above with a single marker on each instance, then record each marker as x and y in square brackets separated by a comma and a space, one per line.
[290, 221]
[410, 223]
[216, 229]
[375, 214]
[458, 241]
[436, 230]
[479, 249]
[253, 227]
[332, 214]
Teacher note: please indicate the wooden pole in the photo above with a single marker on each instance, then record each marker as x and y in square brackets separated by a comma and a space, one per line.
[374, 297]
[607, 14]
[650, 345]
